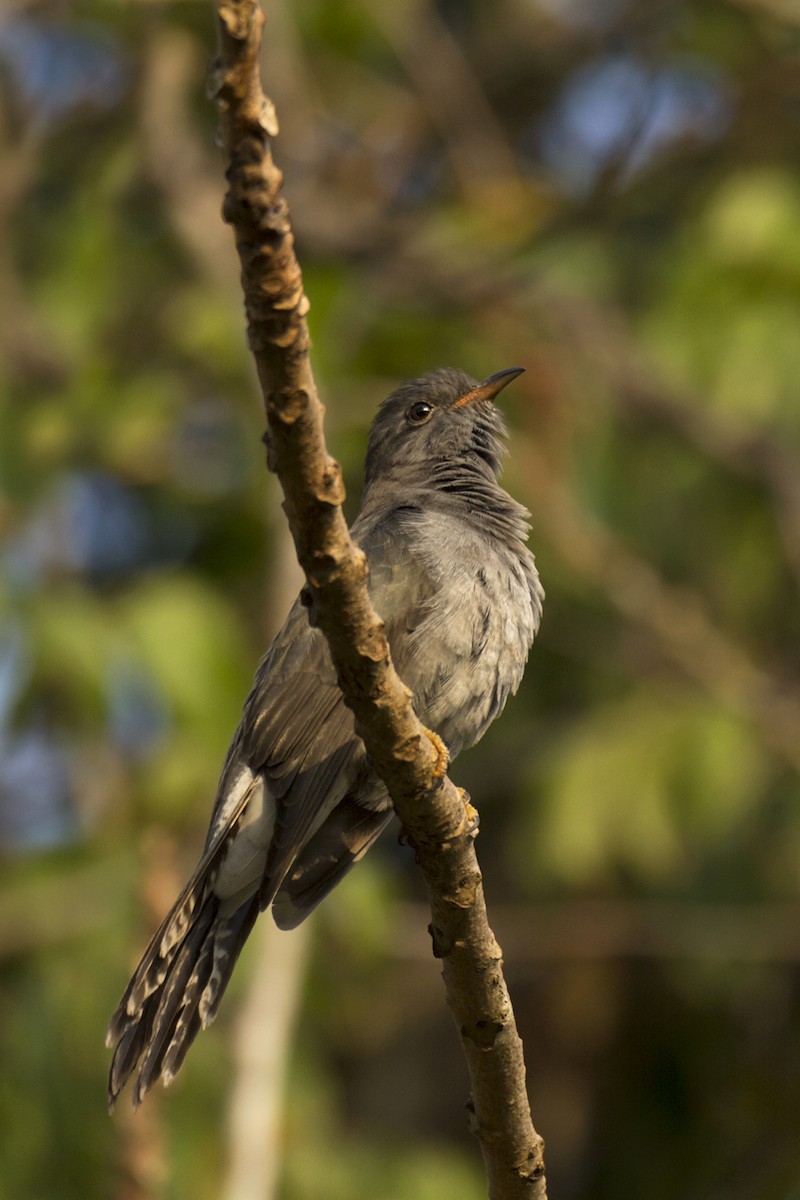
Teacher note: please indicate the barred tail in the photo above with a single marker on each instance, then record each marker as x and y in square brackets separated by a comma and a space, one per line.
[176, 989]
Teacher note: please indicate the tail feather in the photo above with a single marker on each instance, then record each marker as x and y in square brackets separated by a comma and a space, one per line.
[171, 998]
[207, 984]
[178, 1048]
[339, 843]
[171, 1001]
[230, 936]
[179, 983]
[157, 1018]
[157, 960]
[189, 1022]
[132, 1042]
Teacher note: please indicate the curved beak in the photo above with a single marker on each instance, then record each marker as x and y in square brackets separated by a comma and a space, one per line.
[490, 387]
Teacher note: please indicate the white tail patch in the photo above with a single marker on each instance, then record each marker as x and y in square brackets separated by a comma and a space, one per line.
[241, 870]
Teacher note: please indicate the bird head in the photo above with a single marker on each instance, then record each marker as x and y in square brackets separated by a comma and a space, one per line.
[442, 419]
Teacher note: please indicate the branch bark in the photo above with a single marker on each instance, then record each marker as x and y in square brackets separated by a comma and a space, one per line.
[404, 755]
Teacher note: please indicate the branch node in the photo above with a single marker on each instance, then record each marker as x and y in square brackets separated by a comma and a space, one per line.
[331, 487]
[440, 944]
[238, 20]
[327, 567]
[373, 645]
[268, 118]
[473, 1125]
[483, 1033]
[466, 891]
[532, 1169]
[287, 407]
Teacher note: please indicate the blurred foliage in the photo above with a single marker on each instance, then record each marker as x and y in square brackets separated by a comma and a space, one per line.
[605, 193]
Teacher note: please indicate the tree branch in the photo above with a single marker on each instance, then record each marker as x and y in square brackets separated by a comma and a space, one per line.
[405, 756]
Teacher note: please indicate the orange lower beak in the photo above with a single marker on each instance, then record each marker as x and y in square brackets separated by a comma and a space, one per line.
[490, 387]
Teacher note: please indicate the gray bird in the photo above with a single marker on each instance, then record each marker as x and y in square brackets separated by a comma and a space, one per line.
[298, 802]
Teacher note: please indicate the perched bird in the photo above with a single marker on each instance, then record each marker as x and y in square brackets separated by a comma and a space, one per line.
[298, 802]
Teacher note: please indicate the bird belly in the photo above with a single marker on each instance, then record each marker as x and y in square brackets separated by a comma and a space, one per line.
[467, 653]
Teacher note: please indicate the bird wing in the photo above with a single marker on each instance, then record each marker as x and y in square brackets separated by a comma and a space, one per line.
[297, 730]
[298, 736]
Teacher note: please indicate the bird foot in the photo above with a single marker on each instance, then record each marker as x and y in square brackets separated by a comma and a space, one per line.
[471, 813]
[471, 816]
[442, 754]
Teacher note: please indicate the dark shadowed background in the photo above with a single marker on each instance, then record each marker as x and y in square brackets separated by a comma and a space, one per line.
[604, 193]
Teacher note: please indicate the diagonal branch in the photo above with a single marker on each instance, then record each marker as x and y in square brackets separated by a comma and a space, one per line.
[400, 748]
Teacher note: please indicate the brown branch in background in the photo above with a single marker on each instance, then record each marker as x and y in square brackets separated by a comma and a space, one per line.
[262, 1048]
[602, 339]
[676, 616]
[75, 904]
[179, 165]
[400, 749]
[757, 932]
[477, 148]
[142, 1146]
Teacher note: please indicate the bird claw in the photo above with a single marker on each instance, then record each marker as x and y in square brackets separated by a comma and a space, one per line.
[471, 813]
[442, 754]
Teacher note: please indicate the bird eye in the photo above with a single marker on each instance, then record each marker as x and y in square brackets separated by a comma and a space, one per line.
[420, 412]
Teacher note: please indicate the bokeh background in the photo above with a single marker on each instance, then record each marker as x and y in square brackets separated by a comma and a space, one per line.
[607, 193]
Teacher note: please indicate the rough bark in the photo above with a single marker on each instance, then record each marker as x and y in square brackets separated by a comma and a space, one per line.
[408, 759]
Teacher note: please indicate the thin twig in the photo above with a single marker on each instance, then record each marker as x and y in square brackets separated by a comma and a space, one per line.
[402, 752]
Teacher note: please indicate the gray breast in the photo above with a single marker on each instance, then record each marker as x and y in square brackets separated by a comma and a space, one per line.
[462, 648]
